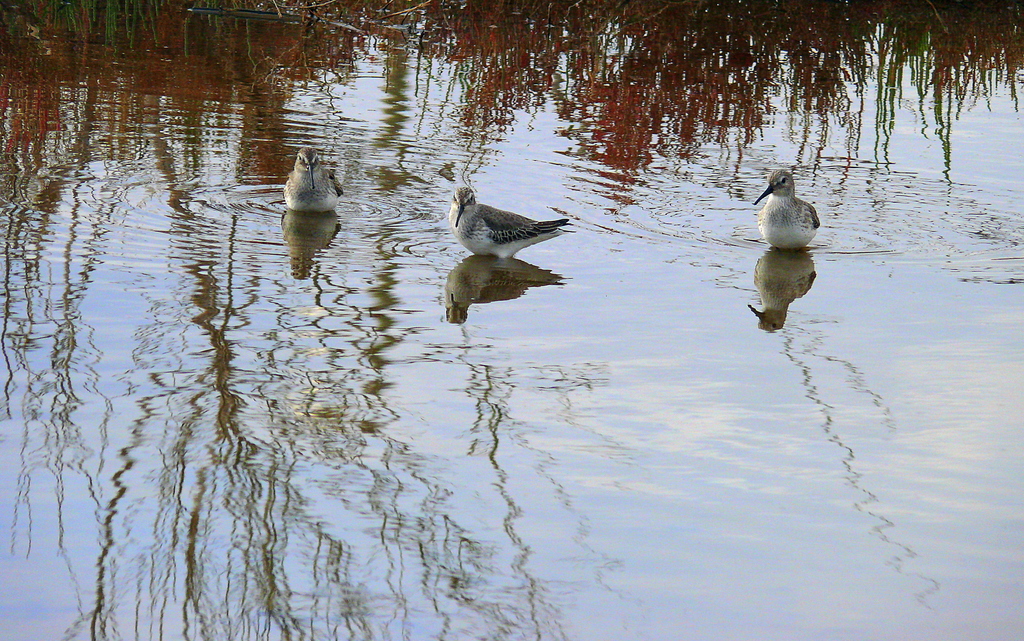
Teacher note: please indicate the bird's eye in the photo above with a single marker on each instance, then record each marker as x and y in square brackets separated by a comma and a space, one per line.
[782, 182]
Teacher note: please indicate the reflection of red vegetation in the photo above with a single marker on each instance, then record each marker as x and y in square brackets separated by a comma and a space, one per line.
[28, 112]
[175, 72]
[668, 78]
[651, 78]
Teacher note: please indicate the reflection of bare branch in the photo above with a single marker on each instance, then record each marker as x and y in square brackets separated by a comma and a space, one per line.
[869, 504]
[494, 431]
[205, 502]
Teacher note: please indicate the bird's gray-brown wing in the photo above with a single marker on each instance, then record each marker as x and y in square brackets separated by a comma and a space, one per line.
[335, 183]
[507, 227]
[814, 214]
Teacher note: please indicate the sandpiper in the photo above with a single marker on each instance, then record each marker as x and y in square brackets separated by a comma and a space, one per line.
[486, 230]
[310, 186]
[786, 221]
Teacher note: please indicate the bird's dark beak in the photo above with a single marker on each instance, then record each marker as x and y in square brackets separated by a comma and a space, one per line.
[766, 192]
[458, 216]
[456, 313]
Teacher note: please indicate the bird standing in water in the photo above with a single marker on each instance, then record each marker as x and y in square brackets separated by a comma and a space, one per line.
[786, 221]
[311, 186]
[486, 230]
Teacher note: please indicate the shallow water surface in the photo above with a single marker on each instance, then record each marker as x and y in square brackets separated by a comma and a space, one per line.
[223, 420]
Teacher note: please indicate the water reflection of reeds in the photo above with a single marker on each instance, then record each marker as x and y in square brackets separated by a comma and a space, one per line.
[217, 487]
[641, 79]
[670, 78]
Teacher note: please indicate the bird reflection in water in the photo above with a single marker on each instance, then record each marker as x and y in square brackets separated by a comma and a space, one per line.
[485, 279]
[307, 233]
[781, 277]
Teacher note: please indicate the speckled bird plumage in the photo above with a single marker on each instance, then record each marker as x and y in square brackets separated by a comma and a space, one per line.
[311, 186]
[486, 230]
[786, 221]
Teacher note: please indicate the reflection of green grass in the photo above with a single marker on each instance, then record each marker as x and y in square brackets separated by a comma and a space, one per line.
[112, 18]
[656, 75]
[953, 55]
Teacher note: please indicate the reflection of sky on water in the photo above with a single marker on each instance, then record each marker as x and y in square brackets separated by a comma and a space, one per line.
[187, 427]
